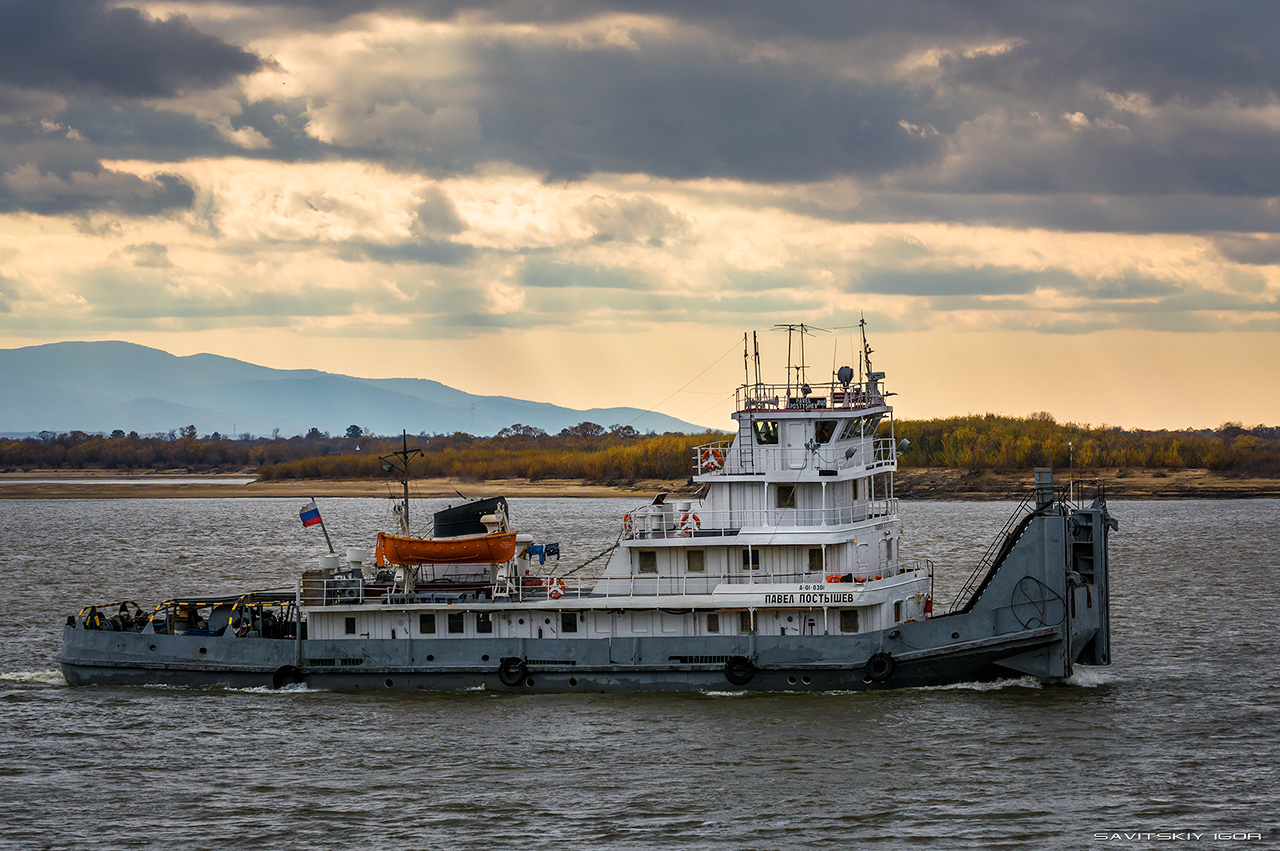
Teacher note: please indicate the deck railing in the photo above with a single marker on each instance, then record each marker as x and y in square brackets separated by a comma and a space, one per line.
[680, 520]
[720, 456]
[791, 397]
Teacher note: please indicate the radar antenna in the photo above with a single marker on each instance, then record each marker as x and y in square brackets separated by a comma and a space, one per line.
[798, 331]
[399, 463]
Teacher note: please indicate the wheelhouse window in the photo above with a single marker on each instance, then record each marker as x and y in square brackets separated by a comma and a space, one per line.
[860, 427]
[785, 496]
[484, 623]
[350, 624]
[848, 620]
[713, 622]
[648, 561]
[568, 622]
[427, 624]
[456, 626]
[766, 432]
[824, 430]
[696, 561]
[750, 559]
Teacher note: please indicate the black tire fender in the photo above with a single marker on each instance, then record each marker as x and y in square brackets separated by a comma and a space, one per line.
[286, 676]
[880, 667]
[512, 671]
[739, 670]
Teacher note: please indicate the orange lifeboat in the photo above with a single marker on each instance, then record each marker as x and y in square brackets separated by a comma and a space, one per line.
[476, 549]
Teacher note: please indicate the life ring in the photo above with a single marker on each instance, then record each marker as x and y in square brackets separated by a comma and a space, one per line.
[835, 577]
[511, 671]
[242, 627]
[555, 588]
[627, 524]
[690, 523]
[739, 670]
[712, 458]
[880, 667]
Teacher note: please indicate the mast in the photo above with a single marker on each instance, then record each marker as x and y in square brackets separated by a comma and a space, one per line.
[399, 462]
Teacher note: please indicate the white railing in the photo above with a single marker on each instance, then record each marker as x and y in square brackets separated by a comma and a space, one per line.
[790, 397]
[552, 589]
[673, 521]
[720, 456]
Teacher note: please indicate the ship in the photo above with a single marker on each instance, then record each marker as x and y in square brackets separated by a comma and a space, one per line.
[785, 570]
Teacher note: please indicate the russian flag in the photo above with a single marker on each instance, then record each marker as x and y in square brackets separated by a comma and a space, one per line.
[310, 514]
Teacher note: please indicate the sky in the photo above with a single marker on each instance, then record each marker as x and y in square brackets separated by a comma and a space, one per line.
[1062, 207]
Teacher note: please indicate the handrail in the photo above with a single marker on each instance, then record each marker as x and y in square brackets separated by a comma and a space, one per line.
[821, 396]
[722, 456]
[669, 521]
[993, 551]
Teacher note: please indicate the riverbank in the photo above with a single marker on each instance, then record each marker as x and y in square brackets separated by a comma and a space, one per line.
[910, 483]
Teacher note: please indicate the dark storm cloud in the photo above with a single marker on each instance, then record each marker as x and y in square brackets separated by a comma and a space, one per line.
[89, 47]
[32, 190]
[678, 113]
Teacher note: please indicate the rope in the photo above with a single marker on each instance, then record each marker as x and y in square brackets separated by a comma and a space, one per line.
[595, 557]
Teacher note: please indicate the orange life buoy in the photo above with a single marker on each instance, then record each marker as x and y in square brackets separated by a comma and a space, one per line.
[627, 523]
[712, 458]
[690, 523]
[835, 577]
[555, 588]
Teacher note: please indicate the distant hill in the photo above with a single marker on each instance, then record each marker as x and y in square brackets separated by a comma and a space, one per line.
[98, 387]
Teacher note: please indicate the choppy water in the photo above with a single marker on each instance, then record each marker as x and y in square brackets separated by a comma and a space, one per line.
[1179, 734]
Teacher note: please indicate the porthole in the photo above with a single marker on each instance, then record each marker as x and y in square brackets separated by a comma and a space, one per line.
[431, 657]
[789, 619]
[387, 683]
[806, 680]
[203, 650]
[547, 621]
[573, 681]
[528, 683]
[484, 658]
[153, 648]
[955, 635]
[791, 681]
[521, 621]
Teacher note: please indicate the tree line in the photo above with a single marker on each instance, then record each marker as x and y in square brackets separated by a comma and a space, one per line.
[595, 453]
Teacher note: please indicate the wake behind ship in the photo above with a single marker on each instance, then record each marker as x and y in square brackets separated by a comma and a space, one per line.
[787, 574]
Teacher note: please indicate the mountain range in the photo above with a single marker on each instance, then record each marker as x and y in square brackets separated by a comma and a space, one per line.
[102, 386]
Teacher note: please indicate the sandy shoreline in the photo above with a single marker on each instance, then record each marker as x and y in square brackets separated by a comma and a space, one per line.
[911, 483]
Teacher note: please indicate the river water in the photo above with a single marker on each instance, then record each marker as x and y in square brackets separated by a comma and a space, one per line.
[1179, 734]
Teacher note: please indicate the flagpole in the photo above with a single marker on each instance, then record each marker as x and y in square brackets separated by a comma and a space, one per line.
[323, 529]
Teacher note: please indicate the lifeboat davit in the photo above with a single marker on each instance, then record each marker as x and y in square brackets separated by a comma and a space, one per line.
[498, 548]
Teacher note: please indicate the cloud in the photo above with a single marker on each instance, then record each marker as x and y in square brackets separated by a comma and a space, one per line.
[29, 188]
[89, 47]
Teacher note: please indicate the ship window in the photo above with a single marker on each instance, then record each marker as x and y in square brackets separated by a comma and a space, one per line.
[427, 624]
[750, 559]
[455, 623]
[851, 429]
[848, 620]
[568, 621]
[697, 561]
[766, 432]
[351, 626]
[648, 561]
[484, 622]
[744, 623]
[897, 611]
[824, 430]
[786, 496]
[713, 622]
[815, 560]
